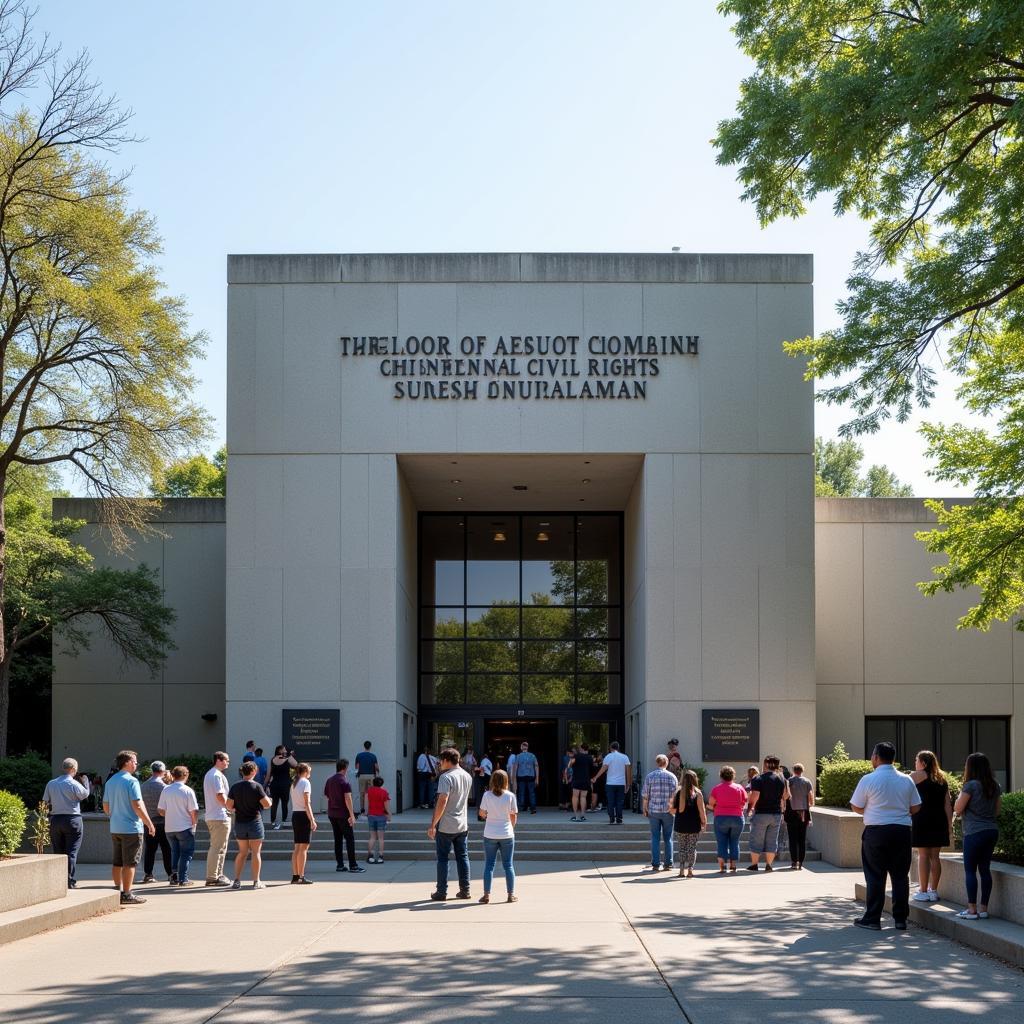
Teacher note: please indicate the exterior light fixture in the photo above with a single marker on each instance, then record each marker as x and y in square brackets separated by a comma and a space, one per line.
[499, 536]
[542, 536]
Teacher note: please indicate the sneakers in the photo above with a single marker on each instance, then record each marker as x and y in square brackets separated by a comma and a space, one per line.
[185, 883]
[341, 867]
[439, 897]
[236, 884]
[964, 915]
[901, 926]
[220, 882]
[462, 894]
[574, 818]
[149, 878]
[582, 817]
[768, 867]
[130, 899]
[302, 880]
[258, 884]
[921, 897]
[277, 827]
[356, 867]
[933, 896]
[871, 926]
[512, 898]
[753, 867]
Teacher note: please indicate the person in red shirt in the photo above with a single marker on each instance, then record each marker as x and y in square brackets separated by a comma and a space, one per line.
[378, 814]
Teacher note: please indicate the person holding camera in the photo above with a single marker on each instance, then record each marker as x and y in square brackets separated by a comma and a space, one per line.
[280, 783]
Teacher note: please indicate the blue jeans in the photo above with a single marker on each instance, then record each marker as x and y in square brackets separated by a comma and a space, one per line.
[507, 848]
[527, 793]
[978, 849]
[616, 797]
[727, 836]
[661, 829]
[444, 843]
[183, 846]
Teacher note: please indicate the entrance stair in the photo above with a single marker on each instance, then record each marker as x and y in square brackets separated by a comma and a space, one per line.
[548, 835]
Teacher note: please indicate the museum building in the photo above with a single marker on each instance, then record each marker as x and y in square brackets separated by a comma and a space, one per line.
[481, 498]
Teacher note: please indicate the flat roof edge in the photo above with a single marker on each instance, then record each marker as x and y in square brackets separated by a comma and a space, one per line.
[526, 267]
[878, 510]
[172, 510]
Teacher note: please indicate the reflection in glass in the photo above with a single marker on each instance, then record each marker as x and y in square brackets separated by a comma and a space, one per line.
[492, 655]
[444, 623]
[499, 621]
[547, 689]
[548, 560]
[493, 689]
[992, 736]
[596, 735]
[597, 623]
[597, 656]
[441, 566]
[442, 656]
[955, 740]
[442, 689]
[548, 623]
[548, 656]
[492, 568]
[918, 734]
[451, 734]
[598, 689]
[598, 570]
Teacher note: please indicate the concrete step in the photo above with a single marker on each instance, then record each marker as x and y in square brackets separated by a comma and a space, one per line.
[77, 905]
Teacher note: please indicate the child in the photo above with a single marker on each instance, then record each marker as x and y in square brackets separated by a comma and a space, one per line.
[378, 814]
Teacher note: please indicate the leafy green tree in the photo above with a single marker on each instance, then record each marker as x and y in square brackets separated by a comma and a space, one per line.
[94, 357]
[196, 477]
[910, 115]
[837, 473]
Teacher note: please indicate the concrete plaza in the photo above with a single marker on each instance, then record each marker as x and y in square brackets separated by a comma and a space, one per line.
[600, 943]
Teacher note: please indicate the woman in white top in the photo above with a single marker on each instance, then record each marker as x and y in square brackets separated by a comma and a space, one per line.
[303, 823]
[499, 810]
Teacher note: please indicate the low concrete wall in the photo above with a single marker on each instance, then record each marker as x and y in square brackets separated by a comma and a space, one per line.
[1007, 886]
[29, 878]
[835, 833]
[95, 848]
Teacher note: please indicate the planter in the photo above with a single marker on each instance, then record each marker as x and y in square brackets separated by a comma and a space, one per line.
[29, 878]
[1007, 886]
[835, 833]
[95, 848]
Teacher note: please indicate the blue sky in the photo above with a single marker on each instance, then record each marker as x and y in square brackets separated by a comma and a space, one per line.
[441, 126]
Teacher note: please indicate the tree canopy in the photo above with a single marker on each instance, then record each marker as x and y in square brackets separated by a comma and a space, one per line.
[95, 358]
[197, 477]
[910, 115]
[837, 473]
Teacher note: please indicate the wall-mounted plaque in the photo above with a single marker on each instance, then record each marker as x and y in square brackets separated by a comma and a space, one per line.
[314, 734]
[731, 735]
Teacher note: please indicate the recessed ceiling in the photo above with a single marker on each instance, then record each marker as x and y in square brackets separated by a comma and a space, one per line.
[552, 482]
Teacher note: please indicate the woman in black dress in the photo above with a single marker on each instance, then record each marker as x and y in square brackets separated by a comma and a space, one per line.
[932, 825]
[280, 783]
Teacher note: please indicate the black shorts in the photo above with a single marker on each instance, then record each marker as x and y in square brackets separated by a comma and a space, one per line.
[300, 827]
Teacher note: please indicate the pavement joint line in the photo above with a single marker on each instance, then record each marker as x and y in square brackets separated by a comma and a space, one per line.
[292, 954]
[639, 938]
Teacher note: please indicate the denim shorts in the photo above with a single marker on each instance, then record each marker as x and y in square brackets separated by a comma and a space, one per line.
[377, 823]
[249, 829]
[764, 833]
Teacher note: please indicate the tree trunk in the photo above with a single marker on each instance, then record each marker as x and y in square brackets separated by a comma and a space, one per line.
[5, 661]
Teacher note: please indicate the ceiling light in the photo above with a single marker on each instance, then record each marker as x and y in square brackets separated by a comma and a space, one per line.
[542, 536]
[586, 480]
[545, 524]
[499, 536]
[459, 498]
[455, 481]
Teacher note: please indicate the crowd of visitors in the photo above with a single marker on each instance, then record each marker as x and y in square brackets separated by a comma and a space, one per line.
[901, 812]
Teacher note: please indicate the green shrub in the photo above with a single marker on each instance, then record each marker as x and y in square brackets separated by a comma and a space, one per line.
[197, 764]
[12, 822]
[1011, 829]
[700, 771]
[838, 756]
[839, 779]
[26, 776]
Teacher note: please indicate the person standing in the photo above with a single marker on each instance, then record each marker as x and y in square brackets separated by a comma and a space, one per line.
[179, 810]
[691, 818]
[888, 800]
[122, 801]
[483, 776]
[978, 805]
[932, 826]
[303, 823]
[218, 821]
[342, 817]
[565, 781]
[366, 769]
[378, 814]
[528, 776]
[499, 810]
[798, 815]
[247, 799]
[280, 782]
[675, 759]
[581, 770]
[449, 826]
[619, 777]
[249, 754]
[63, 796]
[151, 790]
[470, 764]
[426, 771]
[657, 793]
[766, 801]
[262, 767]
[727, 800]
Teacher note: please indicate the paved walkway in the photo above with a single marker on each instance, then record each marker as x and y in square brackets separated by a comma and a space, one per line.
[595, 944]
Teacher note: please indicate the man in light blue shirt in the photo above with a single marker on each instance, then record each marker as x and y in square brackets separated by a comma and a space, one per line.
[122, 800]
[62, 796]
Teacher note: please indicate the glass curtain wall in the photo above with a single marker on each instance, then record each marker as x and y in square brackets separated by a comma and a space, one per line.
[520, 609]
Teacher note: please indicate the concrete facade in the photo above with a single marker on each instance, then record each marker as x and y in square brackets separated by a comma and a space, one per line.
[102, 704]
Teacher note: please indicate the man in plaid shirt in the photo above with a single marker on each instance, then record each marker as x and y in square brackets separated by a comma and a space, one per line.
[657, 792]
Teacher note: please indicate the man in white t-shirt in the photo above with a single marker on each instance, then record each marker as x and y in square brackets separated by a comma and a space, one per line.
[620, 778]
[218, 821]
[180, 811]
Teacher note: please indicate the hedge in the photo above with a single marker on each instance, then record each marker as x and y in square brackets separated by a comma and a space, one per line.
[1011, 829]
[25, 776]
[12, 822]
[838, 780]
